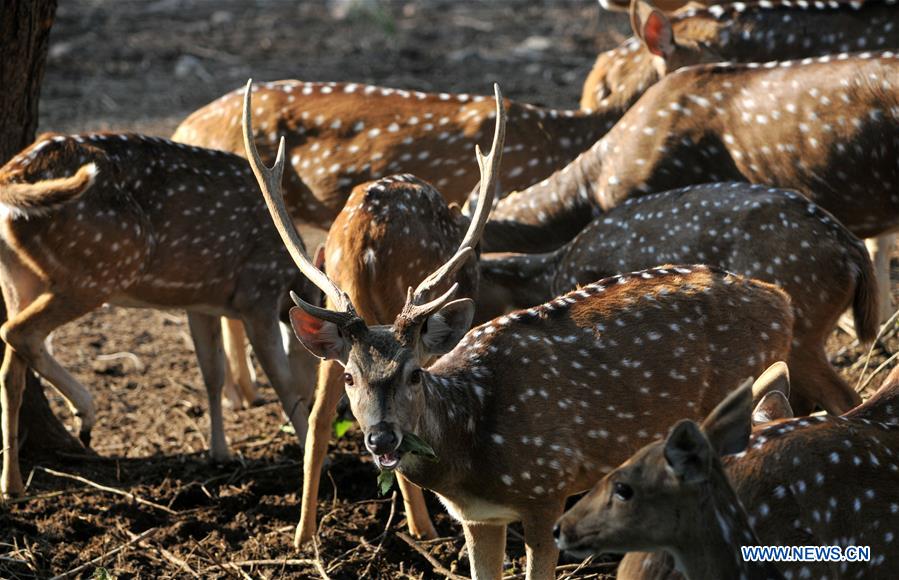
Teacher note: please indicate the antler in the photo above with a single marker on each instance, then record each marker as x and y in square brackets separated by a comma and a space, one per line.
[489, 166]
[270, 183]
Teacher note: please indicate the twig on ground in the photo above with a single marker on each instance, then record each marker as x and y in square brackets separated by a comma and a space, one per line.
[888, 325]
[435, 563]
[106, 555]
[882, 366]
[286, 562]
[108, 489]
[184, 566]
[383, 536]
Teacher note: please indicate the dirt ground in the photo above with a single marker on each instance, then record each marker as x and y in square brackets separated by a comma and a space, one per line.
[143, 66]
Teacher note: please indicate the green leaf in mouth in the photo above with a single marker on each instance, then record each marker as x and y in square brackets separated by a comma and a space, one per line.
[411, 444]
[385, 481]
[414, 444]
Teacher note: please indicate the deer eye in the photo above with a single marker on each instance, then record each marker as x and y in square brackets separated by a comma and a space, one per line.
[415, 377]
[348, 379]
[623, 491]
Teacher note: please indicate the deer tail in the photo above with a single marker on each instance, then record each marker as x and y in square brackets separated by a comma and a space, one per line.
[37, 198]
[865, 302]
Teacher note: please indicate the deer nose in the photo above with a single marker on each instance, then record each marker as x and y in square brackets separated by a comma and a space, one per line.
[557, 531]
[381, 439]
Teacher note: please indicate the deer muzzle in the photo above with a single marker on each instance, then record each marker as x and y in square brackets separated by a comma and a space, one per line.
[383, 441]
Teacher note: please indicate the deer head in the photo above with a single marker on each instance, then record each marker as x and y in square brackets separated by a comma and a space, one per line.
[383, 364]
[621, 75]
[633, 508]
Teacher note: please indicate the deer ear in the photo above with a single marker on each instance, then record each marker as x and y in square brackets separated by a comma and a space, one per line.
[728, 426]
[446, 327]
[688, 453]
[319, 261]
[653, 28]
[773, 406]
[320, 337]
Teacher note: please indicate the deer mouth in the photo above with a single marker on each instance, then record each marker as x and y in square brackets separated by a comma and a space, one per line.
[389, 460]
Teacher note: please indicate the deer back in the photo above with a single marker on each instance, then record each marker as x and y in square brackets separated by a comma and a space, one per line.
[342, 134]
[737, 32]
[799, 125]
[734, 226]
[389, 236]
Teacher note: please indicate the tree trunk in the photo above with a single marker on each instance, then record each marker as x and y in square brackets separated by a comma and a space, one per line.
[24, 35]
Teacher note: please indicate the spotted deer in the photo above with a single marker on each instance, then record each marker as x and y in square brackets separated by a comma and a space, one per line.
[733, 32]
[340, 135]
[517, 409]
[784, 485]
[391, 234]
[826, 127]
[740, 227]
[141, 222]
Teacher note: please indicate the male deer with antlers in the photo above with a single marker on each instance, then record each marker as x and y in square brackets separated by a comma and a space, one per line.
[786, 485]
[390, 235]
[803, 125]
[774, 235]
[139, 221]
[554, 381]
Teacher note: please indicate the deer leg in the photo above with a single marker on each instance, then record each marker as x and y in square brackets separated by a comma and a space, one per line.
[814, 381]
[26, 331]
[206, 333]
[303, 364]
[486, 545]
[265, 338]
[240, 378]
[329, 388]
[419, 520]
[880, 248]
[12, 385]
[542, 553]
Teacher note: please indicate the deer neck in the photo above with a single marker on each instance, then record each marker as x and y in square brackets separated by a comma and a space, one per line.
[515, 281]
[454, 408]
[711, 547]
[576, 128]
[548, 214]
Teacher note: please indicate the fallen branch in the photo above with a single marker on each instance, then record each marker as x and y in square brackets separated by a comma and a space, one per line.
[108, 489]
[435, 563]
[184, 566]
[105, 555]
[888, 325]
[285, 562]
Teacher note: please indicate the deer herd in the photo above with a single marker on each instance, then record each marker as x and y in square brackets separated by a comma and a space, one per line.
[628, 266]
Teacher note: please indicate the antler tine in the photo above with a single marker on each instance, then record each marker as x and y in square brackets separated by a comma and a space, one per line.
[489, 166]
[270, 183]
